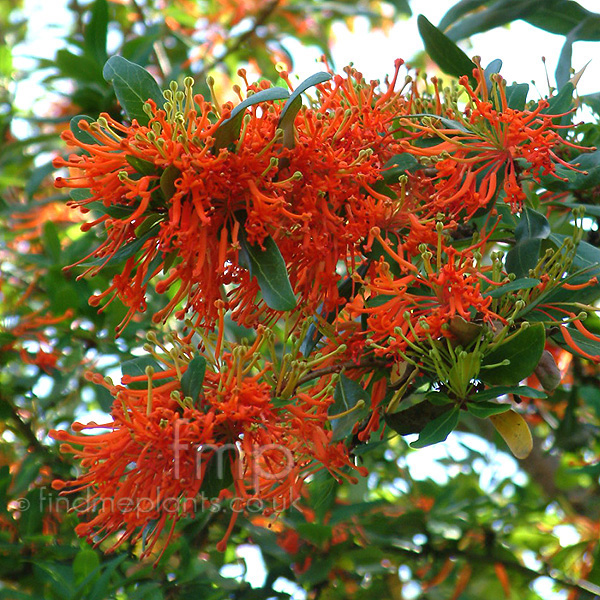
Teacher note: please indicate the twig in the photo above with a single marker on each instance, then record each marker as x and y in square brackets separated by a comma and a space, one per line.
[349, 364]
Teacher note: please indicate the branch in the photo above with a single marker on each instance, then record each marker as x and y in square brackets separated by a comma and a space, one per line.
[349, 364]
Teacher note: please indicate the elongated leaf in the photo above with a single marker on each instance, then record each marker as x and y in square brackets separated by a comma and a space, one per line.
[293, 105]
[399, 165]
[270, 271]
[491, 69]
[516, 95]
[515, 432]
[483, 410]
[136, 367]
[96, 32]
[193, 378]
[167, 181]
[143, 167]
[458, 10]
[80, 134]
[126, 251]
[525, 283]
[448, 56]
[439, 429]
[229, 130]
[498, 14]
[562, 17]
[585, 177]
[523, 349]
[346, 395]
[561, 102]
[134, 86]
[587, 345]
[501, 390]
[523, 257]
[532, 225]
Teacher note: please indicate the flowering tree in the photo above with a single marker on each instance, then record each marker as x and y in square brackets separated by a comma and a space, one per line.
[276, 292]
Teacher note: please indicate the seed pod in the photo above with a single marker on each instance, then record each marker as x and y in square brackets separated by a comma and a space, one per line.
[548, 372]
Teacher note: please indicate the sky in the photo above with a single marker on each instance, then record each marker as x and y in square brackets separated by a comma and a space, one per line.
[520, 47]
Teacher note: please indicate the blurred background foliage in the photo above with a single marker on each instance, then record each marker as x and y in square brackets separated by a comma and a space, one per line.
[523, 532]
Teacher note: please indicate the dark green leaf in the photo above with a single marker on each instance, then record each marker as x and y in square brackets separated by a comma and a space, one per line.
[193, 378]
[501, 390]
[101, 587]
[398, 165]
[485, 409]
[136, 367]
[96, 32]
[491, 69]
[532, 225]
[51, 241]
[28, 471]
[561, 102]
[458, 10]
[229, 130]
[449, 57]
[414, 418]
[563, 16]
[523, 257]
[167, 181]
[525, 283]
[80, 134]
[586, 345]
[516, 95]
[219, 469]
[439, 429]
[86, 561]
[498, 14]
[80, 68]
[36, 177]
[572, 180]
[346, 395]
[293, 105]
[402, 7]
[144, 167]
[134, 86]
[270, 271]
[126, 251]
[523, 349]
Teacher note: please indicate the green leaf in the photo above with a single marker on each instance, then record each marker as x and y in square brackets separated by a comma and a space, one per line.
[442, 50]
[346, 395]
[144, 167]
[561, 102]
[523, 349]
[532, 225]
[193, 378]
[134, 86]
[499, 13]
[36, 177]
[167, 181]
[483, 410]
[96, 32]
[124, 252]
[81, 68]
[414, 418]
[589, 163]
[270, 271]
[516, 95]
[80, 134]
[493, 68]
[439, 429]
[219, 474]
[51, 241]
[85, 562]
[293, 105]
[563, 16]
[137, 367]
[402, 7]
[523, 257]
[229, 130]
[399, 165]
[501, 390]
[587, 345]
[458, 10]
[524, 283]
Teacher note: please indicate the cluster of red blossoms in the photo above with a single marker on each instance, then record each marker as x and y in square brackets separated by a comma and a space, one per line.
[363, 193]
